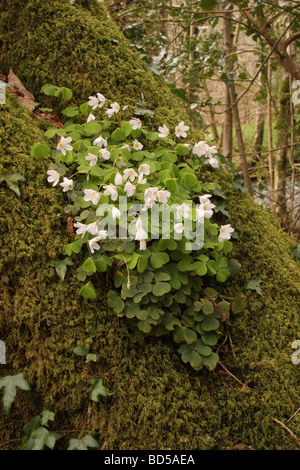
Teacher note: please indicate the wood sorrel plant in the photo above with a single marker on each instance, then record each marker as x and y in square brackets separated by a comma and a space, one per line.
[117, 175]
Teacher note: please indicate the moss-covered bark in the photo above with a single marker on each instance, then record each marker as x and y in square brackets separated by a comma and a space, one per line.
[158, 402]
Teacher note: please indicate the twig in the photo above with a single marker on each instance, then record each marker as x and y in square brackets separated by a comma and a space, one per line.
[233, 376]
[294, 415]
[288, 430]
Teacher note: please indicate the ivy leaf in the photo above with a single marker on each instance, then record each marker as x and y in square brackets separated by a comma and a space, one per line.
[61, 266]
[83, 443]
[82, 350]
[296, 252]
[10, 384]
[47, 416]
[253, 284]
[42, 437]
[99, 389]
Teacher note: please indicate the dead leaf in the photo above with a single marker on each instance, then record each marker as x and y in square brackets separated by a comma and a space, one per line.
[48, 117]
[244, 387]
[24, 96]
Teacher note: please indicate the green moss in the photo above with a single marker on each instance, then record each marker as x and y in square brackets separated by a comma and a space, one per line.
[158, 402]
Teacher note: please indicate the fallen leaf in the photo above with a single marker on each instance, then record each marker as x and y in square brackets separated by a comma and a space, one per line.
[24, 96]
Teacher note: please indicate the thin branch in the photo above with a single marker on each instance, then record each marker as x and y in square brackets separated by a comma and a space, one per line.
[291, 39]
[288, 430]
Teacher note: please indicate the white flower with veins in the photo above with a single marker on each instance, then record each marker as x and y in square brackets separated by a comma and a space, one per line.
[111, 190]
[179, 228]
[91, 195]
[200, 148]
[163, 131]
[96, 101]
[100, 141]
[92, 228]
[205, 198]
[93, 159]
[143, 245]
[104, 154]
[225, 232]
[118, 179]
[136, 123]
[114, 108]
[115, 213]
[210, 151]
[64, 144]
[141, 179]
[53, 177]
[130, 189]
[180, 130]
[130, 174]
[163, 195]
[81, 228]
[182, 211]
[90, 118]
[93, 243]
[144, 168]
[141, 234]
[214, 162]
[137, 145]
[67, 185]
[207, 208]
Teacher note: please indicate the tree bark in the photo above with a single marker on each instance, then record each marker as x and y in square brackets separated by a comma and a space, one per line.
[280, 167]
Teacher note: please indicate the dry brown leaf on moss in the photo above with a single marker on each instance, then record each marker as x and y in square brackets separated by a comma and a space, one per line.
[24, 96]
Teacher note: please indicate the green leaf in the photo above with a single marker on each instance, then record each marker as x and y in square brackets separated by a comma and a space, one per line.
[70, 111]
[10, 383]
[91, 358]
[83, 443]
[61, 267]
[47, 416]
[142, 263]
[189, 180]
[253, 284]
[144, 326]
[118, 135]
[89, 266]
[234, 266]
[158, 259]
[222, 274]
[42, 437]
[181, 150]
[39, 150]
[88, 291]
[210, 324]
[99, 389]
[296, 252]
[161, 288]
[115, 302]
[211, 361]
[82, 350]
[190, 336]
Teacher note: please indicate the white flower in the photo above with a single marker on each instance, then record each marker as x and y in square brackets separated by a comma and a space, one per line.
[125, 146]
[93, 159]
[163, 195]
[163, 131]
[179, 228]
[188, 146]
[199, 215]
[111, 191]
[53, 177]
[205, 198]
[120, 162]
[182, 211]
[141, 180]
[214, 162]
[90, 118]
[210, 151]
[225, 232]
[114, 108]
[143, 245]
[81, 228]
[130, 174]
[115, 213]
[125, 107]
[141, 234]
[129, 188]
[96, 101]
[63, 144]
[104, 154]
[91, 195]
[200, 148]
[101, 235]
[137, 145]
[144, 168]
[92, 228]
[136, 123]
[180, 130]
[150, 196]
[118, 179]
[100, 141]
[67, 185]
[207, 209]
